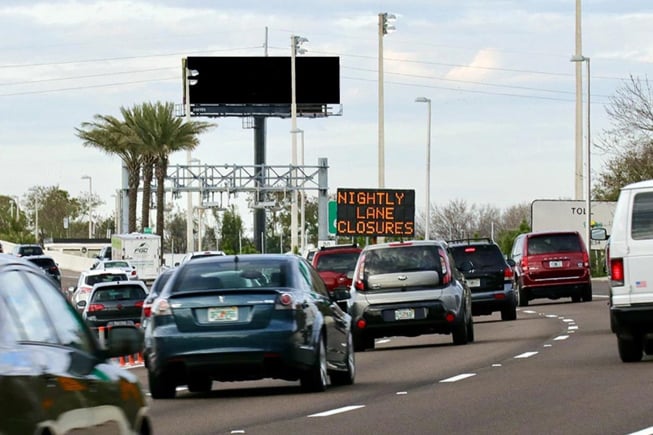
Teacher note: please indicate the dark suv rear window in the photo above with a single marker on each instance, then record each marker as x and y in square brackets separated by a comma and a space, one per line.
[552, 243]
[481, 256]
[43, 262]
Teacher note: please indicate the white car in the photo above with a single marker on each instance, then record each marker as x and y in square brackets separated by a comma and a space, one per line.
[89, 278]
[199, 254]
[123, 265]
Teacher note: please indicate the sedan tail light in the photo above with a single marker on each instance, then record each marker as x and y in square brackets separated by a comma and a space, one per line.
[162, 308]
[284, 302]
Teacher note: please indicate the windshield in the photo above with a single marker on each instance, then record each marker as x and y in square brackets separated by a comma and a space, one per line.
[340, 262]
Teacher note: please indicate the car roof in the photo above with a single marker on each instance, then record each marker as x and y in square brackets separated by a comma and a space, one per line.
[103, 271]
[550, 233]
[439, 243]
[125, 283]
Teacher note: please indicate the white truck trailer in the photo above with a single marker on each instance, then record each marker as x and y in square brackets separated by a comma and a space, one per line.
[142, 250]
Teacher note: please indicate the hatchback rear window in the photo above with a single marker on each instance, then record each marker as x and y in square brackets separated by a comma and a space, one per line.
[106, 277]
[552, 243]
[121, 293]
[402, 259]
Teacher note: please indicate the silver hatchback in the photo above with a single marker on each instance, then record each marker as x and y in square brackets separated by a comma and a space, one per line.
[409, 289]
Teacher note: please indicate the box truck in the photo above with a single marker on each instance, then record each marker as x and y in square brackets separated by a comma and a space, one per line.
[142, 250]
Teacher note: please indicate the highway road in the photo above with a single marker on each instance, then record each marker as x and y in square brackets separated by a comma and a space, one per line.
[554, 370]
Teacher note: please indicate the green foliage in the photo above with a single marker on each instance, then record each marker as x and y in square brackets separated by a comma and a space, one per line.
[507, 237]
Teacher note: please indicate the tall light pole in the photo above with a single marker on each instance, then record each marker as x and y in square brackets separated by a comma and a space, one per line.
[384, 27]
[295, 49]
[17, 216]
[302, 213]
[90, 199]
[578, 165]
[188, 82]
[428, 165]
[588, 152]
[200, 212]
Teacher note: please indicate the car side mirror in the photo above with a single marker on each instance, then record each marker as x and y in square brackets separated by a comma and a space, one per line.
[599, 234]
[81, 305]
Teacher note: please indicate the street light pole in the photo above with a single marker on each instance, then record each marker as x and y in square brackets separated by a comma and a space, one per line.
[90, 199]
[588, 152]
[428, 167]
[188, 81]
[295, 48]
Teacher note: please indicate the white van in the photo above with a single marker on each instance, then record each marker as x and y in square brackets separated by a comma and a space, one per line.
[630, 266]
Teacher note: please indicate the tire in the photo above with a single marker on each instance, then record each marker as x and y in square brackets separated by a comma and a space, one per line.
[470, 330]
[510, 312]
[575, 299]
[346, 377]
[200, 384]
[161, 386]
[648, 347]
[361, 343]
[316, 378]
[630, 350]
[459, 332]
[587, 293]
[523, 297]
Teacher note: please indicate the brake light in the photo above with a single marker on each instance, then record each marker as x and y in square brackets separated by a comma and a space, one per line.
[133, 273]
[162, 308]
[586, 260]
[361, 324]
[147, 311]
[508, 273]
[85, 289]
[450, 317]
[95, 307]
[472, 249]
[139, 304]
[524, 263]
[284, 301]
[358, 283]
[617, 271]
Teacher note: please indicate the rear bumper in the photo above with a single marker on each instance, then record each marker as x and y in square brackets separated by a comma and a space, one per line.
[635, 318]
[486, 302]
[229, 356]
[380, 320]
[555, 288]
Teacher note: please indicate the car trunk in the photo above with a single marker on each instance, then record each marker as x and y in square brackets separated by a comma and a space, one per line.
[398, 287]
[219, 310]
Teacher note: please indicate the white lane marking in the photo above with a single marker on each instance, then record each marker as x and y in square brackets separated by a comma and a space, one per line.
[459, 377]
[568, 320]
[547, 345]
[337, 411]
[572, 327]
[385, 340]
[238, 431]
[526, 355]
[496, 365]
[647, 431]
[551, 316]
[529, 312]
[561, 337]
[401, 393]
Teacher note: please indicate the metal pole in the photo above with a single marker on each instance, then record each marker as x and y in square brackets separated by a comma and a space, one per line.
[303, 205]
[428, 175]
[189, 196]
[294, 41]
[588, 205]
[90, 212]
[578, 172]
[381, 145]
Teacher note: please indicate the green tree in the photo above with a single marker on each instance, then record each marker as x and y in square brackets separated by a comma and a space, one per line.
[13, 222]
[49, 206]
[231, 231]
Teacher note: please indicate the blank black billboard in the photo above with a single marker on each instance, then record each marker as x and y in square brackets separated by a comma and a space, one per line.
[264, 80]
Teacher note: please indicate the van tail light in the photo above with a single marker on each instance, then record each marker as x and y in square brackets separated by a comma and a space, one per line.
[586, 260]
[508, 273]
[524, 263]
[617, 271]
[95, 307]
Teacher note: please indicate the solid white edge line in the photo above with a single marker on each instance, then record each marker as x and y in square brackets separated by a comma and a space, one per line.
[647, 431]
[337, 411]
[458, 377]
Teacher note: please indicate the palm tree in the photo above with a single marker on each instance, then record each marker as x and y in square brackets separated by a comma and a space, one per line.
[162, 133]
[114, 137]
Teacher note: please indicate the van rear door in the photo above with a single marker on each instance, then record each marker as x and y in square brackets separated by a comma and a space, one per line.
[638, 259]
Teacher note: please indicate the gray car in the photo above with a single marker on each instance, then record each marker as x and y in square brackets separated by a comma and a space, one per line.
[409, 289]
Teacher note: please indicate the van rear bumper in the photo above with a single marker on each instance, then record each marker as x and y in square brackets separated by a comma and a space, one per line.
[634, 318]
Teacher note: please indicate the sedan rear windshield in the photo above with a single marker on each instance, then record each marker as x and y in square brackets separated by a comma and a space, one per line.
[552, 243]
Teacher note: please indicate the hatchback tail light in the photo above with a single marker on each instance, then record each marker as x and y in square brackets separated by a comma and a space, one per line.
[147, 311]
[617, 271]
[358, 280]
[95, 307]
[85, 289]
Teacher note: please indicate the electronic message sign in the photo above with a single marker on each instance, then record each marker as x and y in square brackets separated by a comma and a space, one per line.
[375, 212]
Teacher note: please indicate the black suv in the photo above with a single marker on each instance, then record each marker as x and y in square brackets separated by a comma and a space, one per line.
[47, 264]
[25, 250]
[488, 274]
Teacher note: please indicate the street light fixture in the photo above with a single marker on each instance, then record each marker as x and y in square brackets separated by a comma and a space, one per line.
[588, 183]
[295, 48]
[90, 200]
[428, 166]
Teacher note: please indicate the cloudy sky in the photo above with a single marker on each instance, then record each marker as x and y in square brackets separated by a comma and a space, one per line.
[498, 73]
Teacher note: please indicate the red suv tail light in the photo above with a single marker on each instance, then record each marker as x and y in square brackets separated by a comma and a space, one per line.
[617, 271]
[524, 263]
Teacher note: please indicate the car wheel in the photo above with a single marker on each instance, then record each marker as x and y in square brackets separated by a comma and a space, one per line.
[509, 312]
[575, 299]
[648, 347]
[523, 297]
[630, 349]
[316, 378]
[200, 384]
[361, 343]
[161, 386]
[346, 377]
[459, 332]
[587, 293]
[470, 330]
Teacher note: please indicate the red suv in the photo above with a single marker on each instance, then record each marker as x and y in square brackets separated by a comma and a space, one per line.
[552, 265]
[336, 264]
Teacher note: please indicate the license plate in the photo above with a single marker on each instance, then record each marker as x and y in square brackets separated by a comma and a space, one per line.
[121, 323]
[405, 314]
[555, 263]
[474, 282]
[223, 314]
